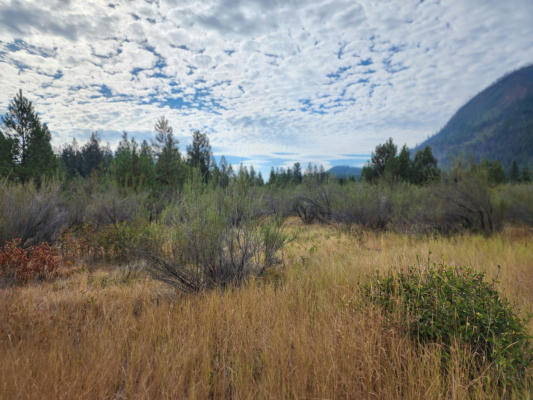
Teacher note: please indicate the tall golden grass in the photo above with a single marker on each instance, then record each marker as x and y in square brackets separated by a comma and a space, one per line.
[298, 333]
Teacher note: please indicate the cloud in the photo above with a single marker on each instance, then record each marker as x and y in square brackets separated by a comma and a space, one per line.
[283, 79]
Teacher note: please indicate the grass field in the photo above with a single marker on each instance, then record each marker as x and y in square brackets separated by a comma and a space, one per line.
[301, 332]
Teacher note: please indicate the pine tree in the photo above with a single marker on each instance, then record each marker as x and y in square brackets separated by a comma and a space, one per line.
[496, 174]
[260, 180]
[93, 156]
[146, 164]
[168, 165]
[384, 156]
[31, 150]
[514, 173]
[526, 177]
[243, 175]
[425, 167]
[272, 179]
[7, 156]
[403, 165]
[383, 160]
[125, 165]
[72, 159]
[216, 176]
[199, 153]
[323, 175]
[225, 172]
[297, 173]
[253, 176]
[41, 159]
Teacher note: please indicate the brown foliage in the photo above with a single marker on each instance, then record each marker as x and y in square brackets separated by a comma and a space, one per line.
[21, 265]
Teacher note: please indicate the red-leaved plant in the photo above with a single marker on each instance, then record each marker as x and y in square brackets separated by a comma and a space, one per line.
[21, 265]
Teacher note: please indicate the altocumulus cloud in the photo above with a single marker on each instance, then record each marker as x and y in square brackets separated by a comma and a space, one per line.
[271, 81]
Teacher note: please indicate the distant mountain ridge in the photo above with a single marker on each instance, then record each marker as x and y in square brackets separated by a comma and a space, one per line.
[495, 124]
[344, 171]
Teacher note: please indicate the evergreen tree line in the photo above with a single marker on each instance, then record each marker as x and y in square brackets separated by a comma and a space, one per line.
[387, 164]
[26, 154]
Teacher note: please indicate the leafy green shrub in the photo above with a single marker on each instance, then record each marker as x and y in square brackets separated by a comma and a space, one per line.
[443, 304]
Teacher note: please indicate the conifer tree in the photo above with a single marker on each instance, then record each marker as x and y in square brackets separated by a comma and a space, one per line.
[425, 167]
[514, 173]
[168, 166]
[403, 165]
[526, 177]
[94, 157]
[199, 153]
[273, 177]
[72, 159]
[7, 156]
[225, 172]
[29, 140]
[297, 173]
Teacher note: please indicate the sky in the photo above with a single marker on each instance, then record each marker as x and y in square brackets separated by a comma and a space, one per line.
[271, 82]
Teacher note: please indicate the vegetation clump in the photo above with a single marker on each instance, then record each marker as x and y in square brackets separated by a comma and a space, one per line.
[456, 305]
[31, 213]
[212, 238]
[20, 265]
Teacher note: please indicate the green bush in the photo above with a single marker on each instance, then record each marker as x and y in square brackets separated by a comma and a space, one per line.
[444, 304]
[118, 241]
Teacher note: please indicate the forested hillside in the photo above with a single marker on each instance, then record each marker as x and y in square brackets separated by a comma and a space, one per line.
[497, 124]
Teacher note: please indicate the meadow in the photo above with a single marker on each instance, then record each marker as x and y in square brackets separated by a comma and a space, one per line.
[302, 330]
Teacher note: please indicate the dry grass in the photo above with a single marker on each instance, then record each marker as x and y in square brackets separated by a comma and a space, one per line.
[104, 334]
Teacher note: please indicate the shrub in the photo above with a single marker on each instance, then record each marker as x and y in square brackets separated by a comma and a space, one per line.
[31, 214]
[117, 241]
[22, 265]
[76, 197]
[113, 207]
[273, 239]
[364, 204]
[464, 203]
[314, 202]
[110, 243]
[278, 201]
[444, 304]
[211, 238]
[518, 200]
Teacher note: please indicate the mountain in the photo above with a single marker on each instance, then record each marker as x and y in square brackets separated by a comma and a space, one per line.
[344, 171]
[496, 124]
